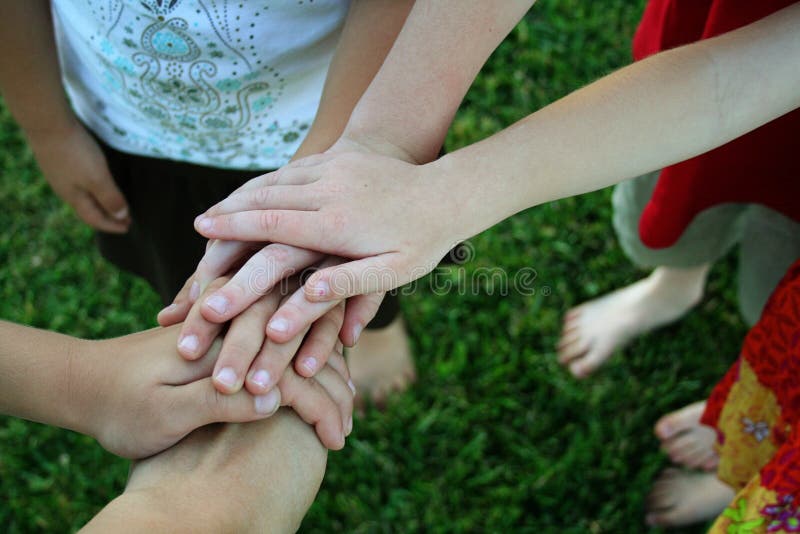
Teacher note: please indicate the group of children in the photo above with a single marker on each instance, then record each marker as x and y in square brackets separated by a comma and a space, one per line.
[186, 101]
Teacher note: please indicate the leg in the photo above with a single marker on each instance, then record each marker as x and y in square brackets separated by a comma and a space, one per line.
[594, 330]
[381, 363]
[274, 468]
[770, 244]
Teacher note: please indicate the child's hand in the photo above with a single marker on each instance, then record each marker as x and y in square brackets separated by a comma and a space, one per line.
[76, 169]
[137, 396]
[395, 218]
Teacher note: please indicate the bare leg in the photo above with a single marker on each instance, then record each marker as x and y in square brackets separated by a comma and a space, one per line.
[595, 329]
[253, 477]
[381, 363]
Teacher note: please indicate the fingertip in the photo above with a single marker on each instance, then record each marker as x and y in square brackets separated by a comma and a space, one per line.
[227, 381]
[333, 440]
[163, 316]
[203, 224]
[278, 330]
[307, 366]
[318, 290]
[188, 346]
[259, 382]
[266, 405]
[215, 308]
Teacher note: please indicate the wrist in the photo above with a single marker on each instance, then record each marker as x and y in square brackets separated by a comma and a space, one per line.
[79, 401]
[55, 130]
[364, 140]
[463, 201]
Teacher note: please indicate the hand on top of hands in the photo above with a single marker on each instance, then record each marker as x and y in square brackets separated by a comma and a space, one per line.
[380, 211]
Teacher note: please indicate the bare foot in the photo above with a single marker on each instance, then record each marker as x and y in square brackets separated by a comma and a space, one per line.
[685, 440]
[381, 363]
[595, 329]
[680, 498]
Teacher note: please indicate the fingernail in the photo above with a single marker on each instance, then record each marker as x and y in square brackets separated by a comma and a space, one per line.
[227, 377]
[204, 223]
[357, 333]
[218, 303]
[352, 386]
[268, 404]
[349, 425]
[321, 288]
[194, 291]
[189, 343]
[279, 325]
[261, 378]
[121, 214]
[310, 364]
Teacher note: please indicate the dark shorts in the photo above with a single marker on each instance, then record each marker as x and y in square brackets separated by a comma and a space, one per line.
[164, 197]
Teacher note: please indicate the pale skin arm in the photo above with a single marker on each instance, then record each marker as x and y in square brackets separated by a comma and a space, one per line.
[651, 114]
[273, 467]
[137, 396]
[408, 107]
[31, 86]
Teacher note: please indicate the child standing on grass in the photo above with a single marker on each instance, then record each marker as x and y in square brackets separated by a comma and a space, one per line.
[666, 220]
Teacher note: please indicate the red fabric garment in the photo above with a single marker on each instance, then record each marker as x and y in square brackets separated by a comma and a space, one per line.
[761, 167]
[772, 350]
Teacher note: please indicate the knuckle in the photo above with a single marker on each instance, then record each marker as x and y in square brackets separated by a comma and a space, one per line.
[337, 221]
[276, 253]
[261, 196]
[268, 220]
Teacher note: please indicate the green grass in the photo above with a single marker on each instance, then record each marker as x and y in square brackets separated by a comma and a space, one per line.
[495, 437]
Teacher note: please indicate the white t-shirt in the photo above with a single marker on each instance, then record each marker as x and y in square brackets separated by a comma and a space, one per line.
[225, 83]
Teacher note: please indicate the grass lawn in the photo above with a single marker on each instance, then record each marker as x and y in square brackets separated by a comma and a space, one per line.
[495, 436]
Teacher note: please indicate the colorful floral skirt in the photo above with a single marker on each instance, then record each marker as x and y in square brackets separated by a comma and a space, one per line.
[756, 412]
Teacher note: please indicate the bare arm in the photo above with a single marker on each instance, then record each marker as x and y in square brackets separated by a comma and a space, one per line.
[273, 467]
[408, 107]
[660, 111]
[29, 72]
[670, 107]
[368, 35]
[31, 86]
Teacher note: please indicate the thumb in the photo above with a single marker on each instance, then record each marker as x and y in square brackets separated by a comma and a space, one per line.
[200, 404]
[368, 275]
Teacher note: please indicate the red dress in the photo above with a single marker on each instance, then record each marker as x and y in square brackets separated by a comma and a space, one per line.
[761, 167]
[756, 412]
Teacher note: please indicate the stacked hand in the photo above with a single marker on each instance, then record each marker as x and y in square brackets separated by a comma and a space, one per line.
[264, 337]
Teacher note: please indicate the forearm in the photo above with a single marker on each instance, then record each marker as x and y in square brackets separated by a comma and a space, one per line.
[29, 73]
[37, 369]
[413, 98]
[274, 467]
[666, 109]
[369, 32]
